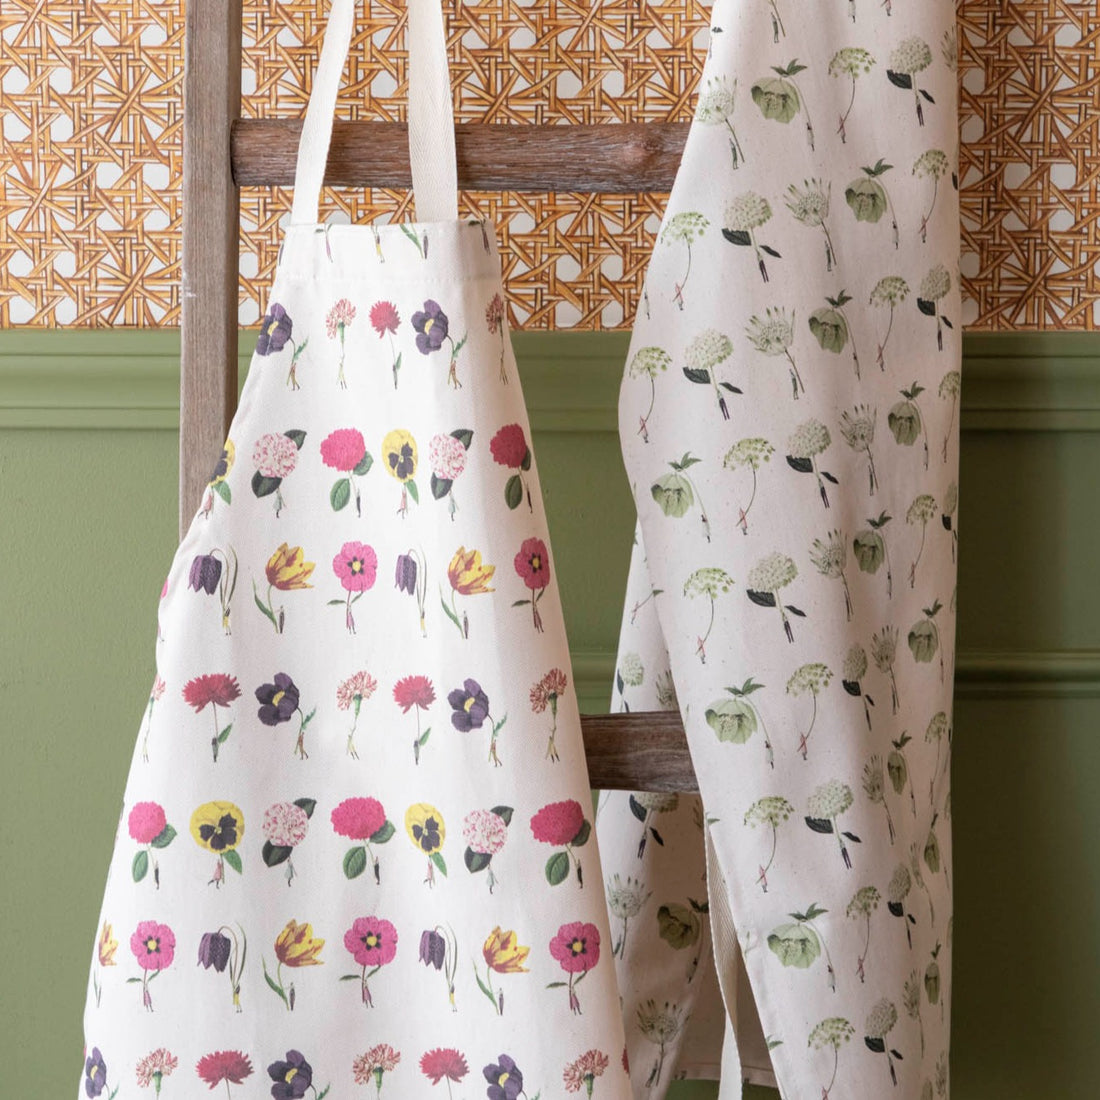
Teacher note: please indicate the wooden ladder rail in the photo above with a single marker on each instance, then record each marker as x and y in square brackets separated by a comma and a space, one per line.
[641, 750]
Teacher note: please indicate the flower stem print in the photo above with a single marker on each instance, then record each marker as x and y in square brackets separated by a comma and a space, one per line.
[830, 557]
[831, 328]
[750, 453]
[576, 948]
[384, 319]
[279, 702]
[897, 767]
[850, 62]
[864, 902]
[855, 668]
[345, 450]
[827, 802]
[950, 386]
[703, 355]
[920, 511]
[425, 827]
[709, 582]
[735, 720]
[910, 999]
[381, 1059]
[337, 321]
[778, 97]
[629, 673]
[743, 215]
[495, 313]
[888, 292]
[364, 820]
[801, 944]
[207, 575]
[625, 900]
[221, 951]
[934, 286]
[937, 731]
[924, 638]
[485, 833]
[932, 980]
[532, 564]
[156, 693]
[432, 329]
[503, 954]
[810, 439]
[810, 206]
[545, 694]
[833, 1033]
[447, 456]
[675, 493]
[648, 362]
[715, 108]
[930, 165]
[874, 787]
[858, 429]
[415, 692]
[868, 198]
[439, 949]
[766, 578]
[777, 22]
[812, 678]
[661, 1026]
[411, 577]
[684, 228]
[350, 694]
[772, 810]
[106, 946]
[372, 942]
[356, 567]
[149, 826]
[773, 335]
[468, 576]
[217, 689]
[421, 244]
[287, 571]
[562, 825]
[911, 56]
[932, 851]
[470, 711]
[906, 422]
[295, 947]
[872, 551]
[275, 456]
[918, 877]
[884, 649]
[880, 1021]
[645, 805]
[276, 330]
[218, 827]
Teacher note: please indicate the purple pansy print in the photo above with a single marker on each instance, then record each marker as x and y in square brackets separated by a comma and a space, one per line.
[279, 702]
[432, 329]
[505, 1079]
[275, 330]
[95, 1073]
[471, 706]
[293, 1077]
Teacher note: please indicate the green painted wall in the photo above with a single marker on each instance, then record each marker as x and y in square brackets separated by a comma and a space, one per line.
[88, 507]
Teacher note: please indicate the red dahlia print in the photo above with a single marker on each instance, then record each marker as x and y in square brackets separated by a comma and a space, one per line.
[216, 689]
[230, 1066]
[563, 825]
[533, 566]
[444, 1063]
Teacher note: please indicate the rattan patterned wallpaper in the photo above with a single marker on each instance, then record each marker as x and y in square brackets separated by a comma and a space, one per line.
[90, 167]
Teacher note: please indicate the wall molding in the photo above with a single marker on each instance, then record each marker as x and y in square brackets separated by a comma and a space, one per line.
[129, 379]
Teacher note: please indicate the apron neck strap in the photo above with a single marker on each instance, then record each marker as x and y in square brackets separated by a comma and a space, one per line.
[430, 113]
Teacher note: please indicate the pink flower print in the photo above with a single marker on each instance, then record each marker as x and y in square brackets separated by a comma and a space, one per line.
[336, 321]
[532, 563]
[418, 692]
[362, 819]
[583, 1072]
[355, 566]
[284, 826]
[372, 942]
[155, 695]
[154, 946]
[546, 693]
[485, 832]
[275, 456]
[509, 449]
[563, 825]
[447, 454]
[350, 695]
[577, 950]
[384, 319]
[379, 1060]
[154, 1067]
[148, 825]
[346, 450]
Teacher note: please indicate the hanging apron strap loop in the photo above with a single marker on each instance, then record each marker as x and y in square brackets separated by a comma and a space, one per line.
[430, 112]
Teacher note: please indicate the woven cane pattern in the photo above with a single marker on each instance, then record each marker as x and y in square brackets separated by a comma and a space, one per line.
[91, 162]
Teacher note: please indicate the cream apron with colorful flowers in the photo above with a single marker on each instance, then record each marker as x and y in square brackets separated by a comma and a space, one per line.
[353, 855]
[789, 421]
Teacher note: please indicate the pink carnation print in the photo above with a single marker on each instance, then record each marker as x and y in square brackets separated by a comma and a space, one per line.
[563, 825]
[546, 693]
[224, 1065]
[350, 694]
[384, 319]
[418, 692]
[576, 948]
[583, 1072]
[356, 567]
[372, 942]
[371, 1066]
[336, 322]
[444, 1064]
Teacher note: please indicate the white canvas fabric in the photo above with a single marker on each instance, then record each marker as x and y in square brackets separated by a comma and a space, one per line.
[789, 423]
[355, 851]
